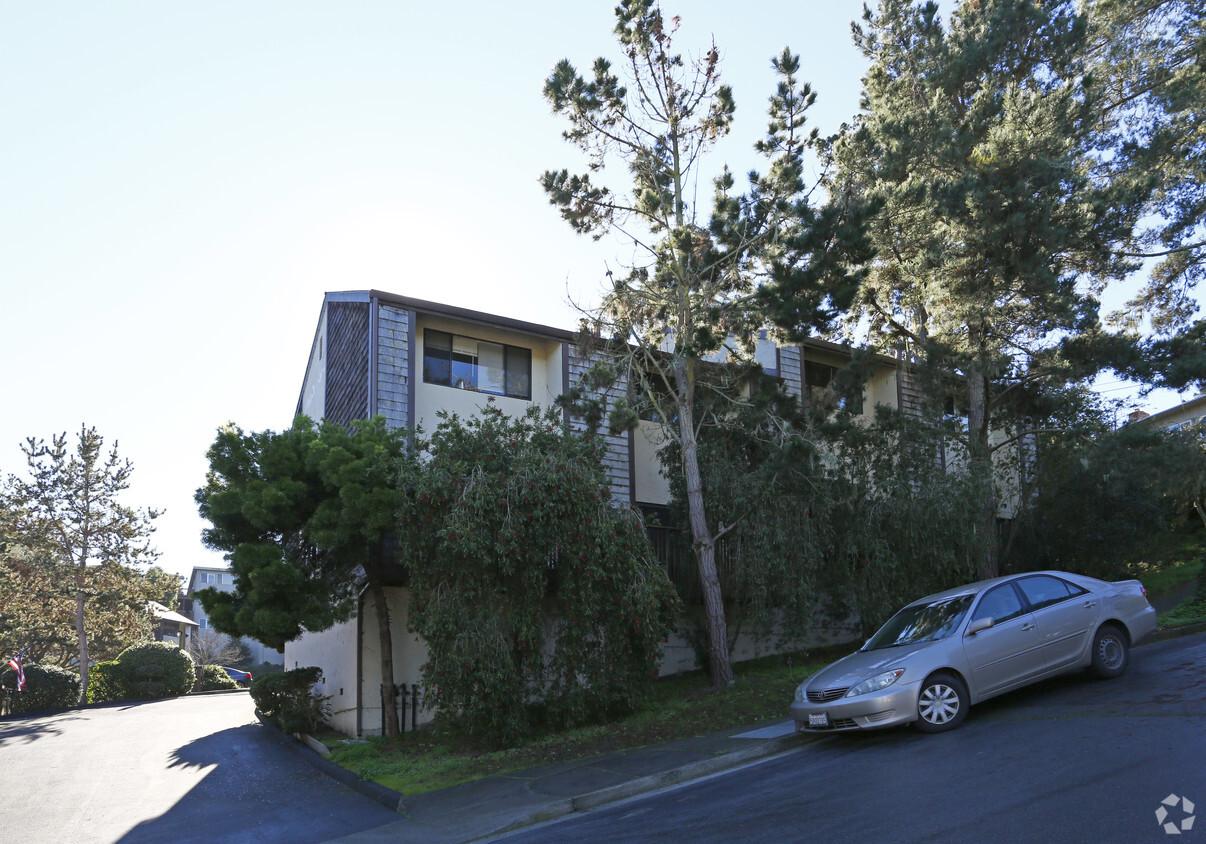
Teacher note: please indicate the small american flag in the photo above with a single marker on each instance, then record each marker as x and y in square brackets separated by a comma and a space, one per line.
[16, 664]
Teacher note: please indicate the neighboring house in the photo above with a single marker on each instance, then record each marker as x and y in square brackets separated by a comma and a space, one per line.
[1186, 413]
[222, 580]
[169, 625]
[407, 359]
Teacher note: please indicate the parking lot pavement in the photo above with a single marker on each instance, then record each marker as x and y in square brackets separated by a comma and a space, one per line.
[190, 769]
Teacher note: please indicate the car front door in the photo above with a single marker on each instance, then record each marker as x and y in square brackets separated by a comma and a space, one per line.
[1007, 653]
[1065, 614]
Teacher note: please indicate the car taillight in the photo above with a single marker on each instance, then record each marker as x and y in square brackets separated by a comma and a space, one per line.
[1143, 589]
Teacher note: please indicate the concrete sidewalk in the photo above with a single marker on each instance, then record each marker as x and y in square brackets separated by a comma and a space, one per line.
[499, 804]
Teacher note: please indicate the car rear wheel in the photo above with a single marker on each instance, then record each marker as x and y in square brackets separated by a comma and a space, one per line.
[942, 703]
[1110, 652]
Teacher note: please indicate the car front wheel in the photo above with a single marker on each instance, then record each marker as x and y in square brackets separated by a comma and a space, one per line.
[1110, 652]
[942, 704]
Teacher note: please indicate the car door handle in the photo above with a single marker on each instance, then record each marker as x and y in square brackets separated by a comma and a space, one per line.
[1027, 626]
[1090, 604]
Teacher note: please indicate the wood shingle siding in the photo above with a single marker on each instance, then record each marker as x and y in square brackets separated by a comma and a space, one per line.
[617, 462]
[791, 370]
[393, 365]
[347, 361]
[910, 397]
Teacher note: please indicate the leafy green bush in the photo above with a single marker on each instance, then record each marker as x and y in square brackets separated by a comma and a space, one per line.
[157, 669]
[537, 598]
[46, 687]
[289, 699]
[106, 682]
[211, 678]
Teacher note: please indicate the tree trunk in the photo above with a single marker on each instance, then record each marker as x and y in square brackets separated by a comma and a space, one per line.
[1201, 515]
[720, 666]
[389, 693]
[980, 460]
[82, 635]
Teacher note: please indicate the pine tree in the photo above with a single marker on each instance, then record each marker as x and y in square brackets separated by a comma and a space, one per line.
[691, 298]
[77, 539]
[1146, 60]
[305, 516]
[997, 224]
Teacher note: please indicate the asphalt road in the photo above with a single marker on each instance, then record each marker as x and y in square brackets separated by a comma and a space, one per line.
[191, 769]
[1071, 759]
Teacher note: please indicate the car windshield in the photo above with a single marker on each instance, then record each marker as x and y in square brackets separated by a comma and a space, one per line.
[921, 623]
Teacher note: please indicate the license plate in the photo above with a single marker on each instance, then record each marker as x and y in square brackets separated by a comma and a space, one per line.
[818, 720]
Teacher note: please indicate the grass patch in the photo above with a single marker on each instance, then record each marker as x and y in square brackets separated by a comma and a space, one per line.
[678, 707]
[1189, 612]
[1175, 565]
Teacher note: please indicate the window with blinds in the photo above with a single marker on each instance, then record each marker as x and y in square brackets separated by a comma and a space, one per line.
[466, 363]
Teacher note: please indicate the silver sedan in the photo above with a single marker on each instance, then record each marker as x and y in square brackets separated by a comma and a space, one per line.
[939, 655]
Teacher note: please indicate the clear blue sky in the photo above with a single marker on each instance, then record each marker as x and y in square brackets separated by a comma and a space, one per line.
[181, 183]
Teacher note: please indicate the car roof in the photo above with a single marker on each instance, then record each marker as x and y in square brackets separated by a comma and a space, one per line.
[981, 585]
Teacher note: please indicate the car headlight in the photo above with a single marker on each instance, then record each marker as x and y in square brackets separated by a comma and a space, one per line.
[876, 683]
[800, 693]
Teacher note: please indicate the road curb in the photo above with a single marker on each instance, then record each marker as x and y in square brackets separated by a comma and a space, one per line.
[686, 773]
[653, 782]
[1174, 633]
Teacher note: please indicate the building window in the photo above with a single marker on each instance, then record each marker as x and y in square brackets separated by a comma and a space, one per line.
[203, 623]
[818, 377]
[661, 406]
[208, 577]
[469, 364]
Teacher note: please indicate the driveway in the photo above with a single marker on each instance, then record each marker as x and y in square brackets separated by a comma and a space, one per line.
[198, 768]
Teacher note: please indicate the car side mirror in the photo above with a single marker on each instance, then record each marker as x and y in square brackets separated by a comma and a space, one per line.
[978, 625]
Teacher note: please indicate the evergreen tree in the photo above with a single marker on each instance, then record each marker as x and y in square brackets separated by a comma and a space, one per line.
[1146, 60]
[997, 225]
[72, 551]
[690, 299]
[305, 516]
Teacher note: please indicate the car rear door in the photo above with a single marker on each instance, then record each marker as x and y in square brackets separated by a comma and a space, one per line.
[1066, 616]
[1007, 653]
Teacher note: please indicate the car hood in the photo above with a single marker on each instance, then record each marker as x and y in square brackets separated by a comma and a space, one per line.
[863, 664]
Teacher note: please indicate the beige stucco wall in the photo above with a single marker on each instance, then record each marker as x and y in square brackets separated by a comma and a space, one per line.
[410, 653]
[880, 389]
[649, 484]
[334, 651]
[314, 390]
[678, 656]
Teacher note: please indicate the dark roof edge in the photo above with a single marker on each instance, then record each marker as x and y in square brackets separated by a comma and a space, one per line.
[842, 349]
[464, 314]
